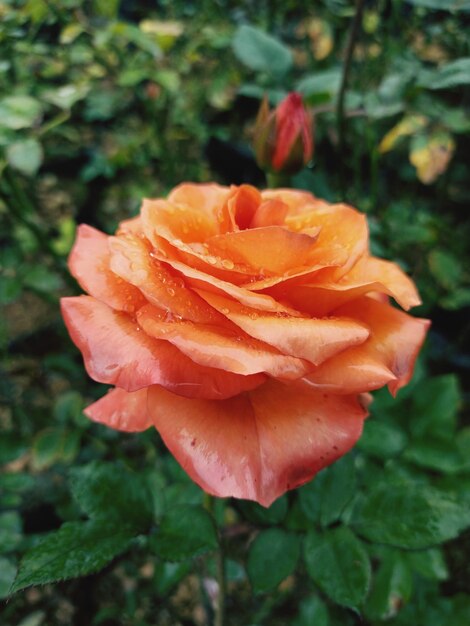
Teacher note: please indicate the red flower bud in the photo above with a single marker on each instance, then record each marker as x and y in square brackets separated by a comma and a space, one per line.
[284, 136]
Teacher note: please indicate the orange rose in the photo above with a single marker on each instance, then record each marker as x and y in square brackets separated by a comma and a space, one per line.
[244, 326]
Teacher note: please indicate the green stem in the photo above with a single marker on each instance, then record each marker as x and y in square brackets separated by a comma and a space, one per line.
[55, 121]
[220, 608]
[340, 117]
[276, 180]
[220, 567]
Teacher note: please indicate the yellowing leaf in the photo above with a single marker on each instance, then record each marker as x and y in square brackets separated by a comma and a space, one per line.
[165, 32]
[70, 33]
[407, 126]
[321, 35]
[370, 21]
[431, 156]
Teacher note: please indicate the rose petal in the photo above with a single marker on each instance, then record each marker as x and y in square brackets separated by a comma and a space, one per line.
[117, 352]
[89, 264]
[395, 341]
[131, 225]
[296, 200]
[394, 281]
[197, 279]
[239, 208]
[270, 213]
[171, 240]
[312, 339]
[342, 240]
[260, 248]
[368, 275]
[219, 347]
[121, 410]
[353, 371]
[133, 260]
[204, 197]
[177, 223]
[260, 444]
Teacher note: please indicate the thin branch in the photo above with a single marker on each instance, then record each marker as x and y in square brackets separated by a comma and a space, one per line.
[219, 616]
[220, 606]
[353, 33]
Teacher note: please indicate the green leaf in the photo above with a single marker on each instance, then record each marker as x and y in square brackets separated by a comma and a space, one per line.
[11, 447]
[62, 244]
[12, 487]
[262, 515]
[338, 563]
[68, 408]
[325, 83]
[185, 531]
[409, 515]
[134, 35]
[382, 439]
[261, 52]
[436, 454]
[66, 96]
[106, 8]
[19, 112]
[447, 76]
[429, 564]
[442, 5]
[70, 33]
[272, 556]
[76, 549]
[10, 289]
[456, 120]
[25, 156]
[337, 489]
[391, 589]
[324, 499]
[446, 268]
[42, 279]
[435, 404]
[378, 108]
[112, 492]
[310, 498]
[313, 611]
[168, 575]
[456, 299]
[53, 445]
[10, 531]
[7, 576]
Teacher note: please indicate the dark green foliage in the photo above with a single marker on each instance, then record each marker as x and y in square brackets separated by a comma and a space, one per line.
[184, 531]
[78, 548]
[324, 499]
[103, 103]
[113, 494]
[409, 515]
[272, 556]
[339, 565]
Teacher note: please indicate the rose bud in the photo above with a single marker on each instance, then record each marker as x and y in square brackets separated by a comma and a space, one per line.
[283, 137]
[247, 327]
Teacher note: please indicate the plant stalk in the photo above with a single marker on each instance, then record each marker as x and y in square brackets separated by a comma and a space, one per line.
[219, 616]
[340, 116]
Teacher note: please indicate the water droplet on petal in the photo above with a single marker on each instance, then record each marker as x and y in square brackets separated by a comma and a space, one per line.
[228, 264]
[171, 291]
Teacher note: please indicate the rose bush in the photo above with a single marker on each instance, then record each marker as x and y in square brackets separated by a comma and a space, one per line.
[246, 327]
